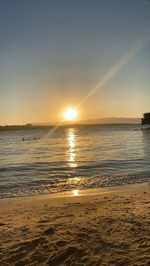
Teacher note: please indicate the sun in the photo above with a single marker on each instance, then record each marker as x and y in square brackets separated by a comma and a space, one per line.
[70, 114]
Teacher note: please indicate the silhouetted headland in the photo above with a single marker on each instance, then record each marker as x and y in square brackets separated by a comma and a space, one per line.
[146, 119]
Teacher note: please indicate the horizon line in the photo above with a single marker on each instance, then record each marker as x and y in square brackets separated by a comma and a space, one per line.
[83, 121]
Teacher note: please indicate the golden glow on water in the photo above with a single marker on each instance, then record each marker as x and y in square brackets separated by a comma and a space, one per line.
[75, 181]
[71, 137]
[75, 192]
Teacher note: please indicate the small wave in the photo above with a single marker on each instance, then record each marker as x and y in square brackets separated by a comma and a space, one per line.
[65, 184]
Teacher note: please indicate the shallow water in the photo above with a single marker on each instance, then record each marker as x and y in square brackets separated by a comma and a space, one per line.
[76, 157]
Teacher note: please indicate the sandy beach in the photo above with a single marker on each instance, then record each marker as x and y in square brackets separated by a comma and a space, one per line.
[96, 227]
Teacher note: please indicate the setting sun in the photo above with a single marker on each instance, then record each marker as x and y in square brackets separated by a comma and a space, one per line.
[70, 114]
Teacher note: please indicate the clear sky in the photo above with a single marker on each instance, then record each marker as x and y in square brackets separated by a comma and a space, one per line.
[54, 52]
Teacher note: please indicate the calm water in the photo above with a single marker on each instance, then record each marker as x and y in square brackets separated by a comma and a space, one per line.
[69, 158]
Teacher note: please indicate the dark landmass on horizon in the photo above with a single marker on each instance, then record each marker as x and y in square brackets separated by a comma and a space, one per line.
[98, 121]
[92, 122]
[113, 120]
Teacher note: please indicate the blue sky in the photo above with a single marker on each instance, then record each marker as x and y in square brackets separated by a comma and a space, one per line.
[52, 54]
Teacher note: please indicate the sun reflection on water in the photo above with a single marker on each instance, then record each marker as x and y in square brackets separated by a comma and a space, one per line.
[75, 192]
[71, 137]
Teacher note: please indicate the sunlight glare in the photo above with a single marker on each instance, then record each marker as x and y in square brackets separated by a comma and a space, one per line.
[70, 114]
[71, 152]
[75, 192]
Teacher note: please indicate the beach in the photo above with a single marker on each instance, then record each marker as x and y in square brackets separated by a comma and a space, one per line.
[107, 226]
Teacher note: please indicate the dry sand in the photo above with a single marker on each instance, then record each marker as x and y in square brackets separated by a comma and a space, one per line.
[107, 227]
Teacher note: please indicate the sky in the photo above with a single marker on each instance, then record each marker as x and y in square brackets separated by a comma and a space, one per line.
[56, 54]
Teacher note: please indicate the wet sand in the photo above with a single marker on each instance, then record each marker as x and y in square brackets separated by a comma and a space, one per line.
[97, 227]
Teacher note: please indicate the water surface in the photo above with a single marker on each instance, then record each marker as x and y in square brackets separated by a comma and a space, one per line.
[78, 157]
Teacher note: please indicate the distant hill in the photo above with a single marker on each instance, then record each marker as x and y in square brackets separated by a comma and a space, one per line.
[109, 120]
[112, 120]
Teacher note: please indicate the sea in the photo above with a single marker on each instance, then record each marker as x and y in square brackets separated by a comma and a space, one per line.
[42, 161]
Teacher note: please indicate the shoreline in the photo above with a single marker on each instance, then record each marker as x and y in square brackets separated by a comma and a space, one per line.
[82, 192]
